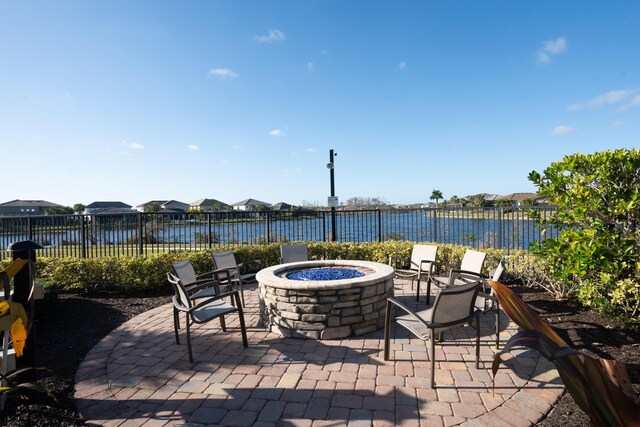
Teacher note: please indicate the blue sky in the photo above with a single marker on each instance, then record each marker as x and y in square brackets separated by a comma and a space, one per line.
[142, 100]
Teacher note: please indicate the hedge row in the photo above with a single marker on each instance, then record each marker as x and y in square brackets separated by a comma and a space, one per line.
[144, 274]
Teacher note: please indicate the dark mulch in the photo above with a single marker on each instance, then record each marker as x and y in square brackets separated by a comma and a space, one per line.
[69, 325]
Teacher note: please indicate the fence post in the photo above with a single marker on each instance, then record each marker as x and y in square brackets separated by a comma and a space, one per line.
[140, 236]
[324, 228]
[210, 234]
[379, 226]
[267, 225]
[83, 236]
[30, 228]
[499, 239]
[435, 225]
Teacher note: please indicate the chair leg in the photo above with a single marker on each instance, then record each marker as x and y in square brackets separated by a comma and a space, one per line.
[497, 326]
[176, 324]
[189, 340]
[243, 329]
[418, 290]
[387, 330]
[432, 356]
[478, 342]
[223, 324]
[241, 292]
[428, 291]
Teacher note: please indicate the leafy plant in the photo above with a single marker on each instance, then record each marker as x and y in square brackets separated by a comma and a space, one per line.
[600, 387]
[598, 197]
[14, 386]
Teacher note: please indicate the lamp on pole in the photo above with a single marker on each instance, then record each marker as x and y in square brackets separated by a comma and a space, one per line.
[333, 200]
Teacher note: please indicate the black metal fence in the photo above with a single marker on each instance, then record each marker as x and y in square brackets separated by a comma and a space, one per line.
[144, 233]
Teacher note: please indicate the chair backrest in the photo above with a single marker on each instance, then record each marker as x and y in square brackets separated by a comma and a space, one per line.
[454, 304]
[293, 253]
[497, 274]
[423, 253]
[180, 292]
[184, 272]
[224, 259]
[473, 261]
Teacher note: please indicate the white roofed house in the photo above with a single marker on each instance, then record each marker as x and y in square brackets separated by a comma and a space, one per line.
[173, 206]
[210, 205]
[518, 199]
[249, 205]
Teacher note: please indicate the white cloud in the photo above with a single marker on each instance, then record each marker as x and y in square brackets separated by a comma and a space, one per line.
[132, 145]
[609, 98]
[223, 73]
[273, 36]
[550, 48]
[563, 130]
[402, 65]
[617, 123]
[311, 150]
[192, 147]
[310, 66]
[277, 133]
[633, 103]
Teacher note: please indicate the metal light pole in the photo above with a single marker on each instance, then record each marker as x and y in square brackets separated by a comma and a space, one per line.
[332, 200]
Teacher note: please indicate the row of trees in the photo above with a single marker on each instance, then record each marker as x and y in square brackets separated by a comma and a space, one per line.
[65, 210]
[477, 200]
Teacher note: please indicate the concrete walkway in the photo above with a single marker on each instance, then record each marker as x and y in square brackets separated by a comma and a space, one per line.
[137, 375]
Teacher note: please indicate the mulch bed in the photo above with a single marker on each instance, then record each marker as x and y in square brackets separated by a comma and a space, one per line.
[69, 325]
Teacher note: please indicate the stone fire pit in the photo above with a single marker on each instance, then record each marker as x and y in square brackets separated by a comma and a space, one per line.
[324, 309]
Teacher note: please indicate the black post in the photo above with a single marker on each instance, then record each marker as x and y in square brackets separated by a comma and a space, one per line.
[83, 235]
[21, 289]
[140, 236]
[210, 238]
[333, 193]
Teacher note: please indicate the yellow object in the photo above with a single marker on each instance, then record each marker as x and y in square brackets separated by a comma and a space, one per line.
[14, 319]
[4, 308]
[15, 267]
[18, 336]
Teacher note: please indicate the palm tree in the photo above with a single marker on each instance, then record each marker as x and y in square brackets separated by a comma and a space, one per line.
[436, 195]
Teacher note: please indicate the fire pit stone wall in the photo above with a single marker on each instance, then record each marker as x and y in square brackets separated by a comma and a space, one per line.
[327, 309]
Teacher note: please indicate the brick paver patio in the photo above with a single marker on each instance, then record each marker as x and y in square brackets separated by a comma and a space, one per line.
[137, 375]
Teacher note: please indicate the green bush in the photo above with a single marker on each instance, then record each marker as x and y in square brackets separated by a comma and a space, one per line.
[598, 247]
[144, 274]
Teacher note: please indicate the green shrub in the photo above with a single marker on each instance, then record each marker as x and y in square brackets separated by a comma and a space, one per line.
[148, 274]
[598, 247]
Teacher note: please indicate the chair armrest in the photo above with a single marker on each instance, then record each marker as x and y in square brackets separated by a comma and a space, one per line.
[404, 308]
[466, 276]
[469, 273]
[226, 271]
[422, 263]
[179, 306]
[438, 282]
[199, 284]
[215, 298]
[194, 287]
[205, 275]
